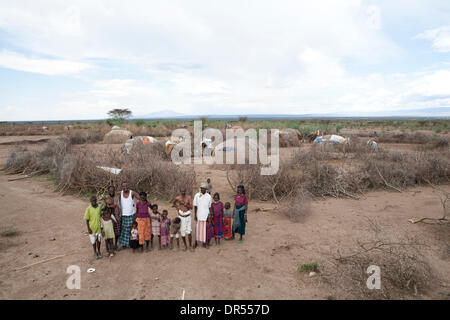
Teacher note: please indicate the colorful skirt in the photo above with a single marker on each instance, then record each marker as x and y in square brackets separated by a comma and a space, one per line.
[209, 232]
[227, 227]
[200, 231]
[144, 229]
[218, 226]
[165, 234]
[125, 230]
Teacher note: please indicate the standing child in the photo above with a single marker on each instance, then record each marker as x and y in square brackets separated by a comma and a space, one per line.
[175, 232]
[143, 220]
[227, 220]
[107, 226]
[209, 230]
[156, 225]
[165, 230]
[134, 237]
[217, 211]
[92, 216]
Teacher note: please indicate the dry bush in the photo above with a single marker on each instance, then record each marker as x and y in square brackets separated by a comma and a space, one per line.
[439, 143]
[85, 136]
[77, 170]
[405, 273]
[416, 137]
[30, 129]
[276, 187]
[325, 175]
[158, 131]
[145, 152]
[299, 206]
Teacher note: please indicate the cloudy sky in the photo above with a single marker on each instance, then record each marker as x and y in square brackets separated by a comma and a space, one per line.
[79, 59]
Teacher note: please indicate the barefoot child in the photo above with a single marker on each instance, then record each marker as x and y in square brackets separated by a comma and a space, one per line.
[143, 220]
[209, 230]
[217, 211]
[107, 226]
[175, 232]
[165, 230]
[134, 237]
[156, 225]
[92, 216]
[227, 221]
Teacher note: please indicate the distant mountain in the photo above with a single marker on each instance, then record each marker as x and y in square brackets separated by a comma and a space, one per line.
[441, 112]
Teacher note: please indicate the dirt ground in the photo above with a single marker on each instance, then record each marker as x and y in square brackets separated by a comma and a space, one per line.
[264, 266]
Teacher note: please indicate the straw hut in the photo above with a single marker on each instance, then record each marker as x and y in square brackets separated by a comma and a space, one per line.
[117, 136]
[290, 138]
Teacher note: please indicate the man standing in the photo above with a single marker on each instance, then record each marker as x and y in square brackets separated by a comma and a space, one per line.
[127, 198]
[202, 205]
[183, 203]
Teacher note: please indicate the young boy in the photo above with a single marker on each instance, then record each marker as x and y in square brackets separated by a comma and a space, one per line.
[175, 232]
[92, 216]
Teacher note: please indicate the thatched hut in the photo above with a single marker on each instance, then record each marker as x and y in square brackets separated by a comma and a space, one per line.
[290, 138]
[231, 146]
[117, 136]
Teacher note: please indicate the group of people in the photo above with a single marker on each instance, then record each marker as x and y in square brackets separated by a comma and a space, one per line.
[129, 220]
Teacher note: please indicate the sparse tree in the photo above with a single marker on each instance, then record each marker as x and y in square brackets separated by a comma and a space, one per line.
[120, 114]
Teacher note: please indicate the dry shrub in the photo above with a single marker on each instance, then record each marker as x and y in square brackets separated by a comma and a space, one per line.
[22, 160]
[299, 206]
[325, 179]
[412, 138]
[325, 175]
[85, 136]
[265, 187]
[405, 273]
[76, 170]
[158, 131]
[438, 143]
[149, 151]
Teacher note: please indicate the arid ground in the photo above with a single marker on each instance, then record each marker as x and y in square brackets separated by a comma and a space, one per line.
[265, 266]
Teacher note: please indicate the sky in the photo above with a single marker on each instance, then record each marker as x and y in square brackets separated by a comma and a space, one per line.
[67, 60]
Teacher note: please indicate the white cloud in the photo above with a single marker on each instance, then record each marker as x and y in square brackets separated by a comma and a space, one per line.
[440, 38]
[13, 60]
[219, 57]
